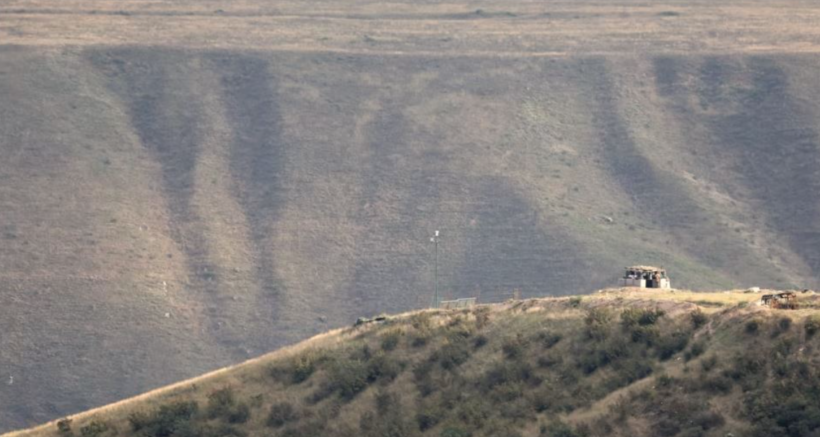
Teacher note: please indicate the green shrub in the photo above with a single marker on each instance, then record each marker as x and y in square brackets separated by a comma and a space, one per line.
[349, 377]
[708, 420]
[220, 403]
[697, 349]
[239, 414]
[300, 368]
[647, 335]
[167, 420]
[422, 376]
[575, 301]
[94, 429]
[421, 321]
[64, 426]
[745, 366]
[280, 414]
[513, 348]
[668, 346]
[811, 326]
[388, 420]
[380, 366]
[631, 317]
[480, 341]
[597, 323]
[709, 363]
[717, 384]
[390, 340]
[698, 318]
[631, 370]
[751, 327]
[558, 429]
[139, 420]
[482, 316]
[508, 372]
[548, 340]
[429, 416]
[419, 340]
[452, 354]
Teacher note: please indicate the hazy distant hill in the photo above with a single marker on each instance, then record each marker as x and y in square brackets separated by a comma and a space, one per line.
[182, 188]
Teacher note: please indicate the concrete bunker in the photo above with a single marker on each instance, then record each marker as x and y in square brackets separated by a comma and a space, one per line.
[786, 300]
[646, 277]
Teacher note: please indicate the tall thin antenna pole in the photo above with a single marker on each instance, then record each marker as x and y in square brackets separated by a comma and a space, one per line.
[435, 263]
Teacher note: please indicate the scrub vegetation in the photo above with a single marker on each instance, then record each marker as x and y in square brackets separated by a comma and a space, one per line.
[620, 363]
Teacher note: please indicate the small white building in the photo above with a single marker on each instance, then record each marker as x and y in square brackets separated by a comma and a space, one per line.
[646, 277]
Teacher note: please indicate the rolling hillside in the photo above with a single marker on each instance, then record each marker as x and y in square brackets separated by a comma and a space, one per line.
[617, 363]
[187, 184]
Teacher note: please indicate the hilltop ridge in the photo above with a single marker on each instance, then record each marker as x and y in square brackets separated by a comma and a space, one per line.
[218, 179]
[620, 362]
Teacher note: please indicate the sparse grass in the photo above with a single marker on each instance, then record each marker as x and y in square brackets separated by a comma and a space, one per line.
[166, 88]
[532, 367]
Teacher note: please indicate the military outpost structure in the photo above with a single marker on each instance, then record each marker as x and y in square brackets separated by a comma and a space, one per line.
[646, 277]
[786, 300]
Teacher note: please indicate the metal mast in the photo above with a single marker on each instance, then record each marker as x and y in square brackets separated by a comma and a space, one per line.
[435, 274]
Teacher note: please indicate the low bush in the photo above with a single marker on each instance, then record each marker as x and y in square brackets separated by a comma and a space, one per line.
[558, 429]
[717, 384]
[698, 318]
[349, 377]
[597, 322]
[480, 341]
[709, 363]
[670, 345]
[239, 414]
[811, 326]
[632, 317]
[281, 414]
[513, 348]
[452, 354]
[220, 403]
[482, 317]
[166, 420]
[94, 429]
[382, 367]
[429, 416]
[575, 301]
[64, 426]
[697, 349]
[784, 324]
[548, 339]
[390, 340]
[298, 369]
[751, 327]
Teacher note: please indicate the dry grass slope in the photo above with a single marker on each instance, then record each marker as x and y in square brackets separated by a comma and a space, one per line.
[616, 363]
[216, 181]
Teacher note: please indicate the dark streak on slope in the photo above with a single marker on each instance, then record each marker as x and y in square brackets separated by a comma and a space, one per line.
[655, 196]
[776, 149]
[257, 157]
[509, 250]
[171, 134]
[405, 183]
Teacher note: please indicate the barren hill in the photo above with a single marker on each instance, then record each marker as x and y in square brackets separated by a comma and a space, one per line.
[616, 363]
[217, 180]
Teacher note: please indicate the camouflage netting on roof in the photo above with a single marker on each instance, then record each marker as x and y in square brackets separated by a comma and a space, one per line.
[646, 269]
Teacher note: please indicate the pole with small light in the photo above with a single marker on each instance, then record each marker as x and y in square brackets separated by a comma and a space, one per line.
[434, 239]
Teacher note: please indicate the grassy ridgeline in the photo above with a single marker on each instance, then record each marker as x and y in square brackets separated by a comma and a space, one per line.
[604, 365]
